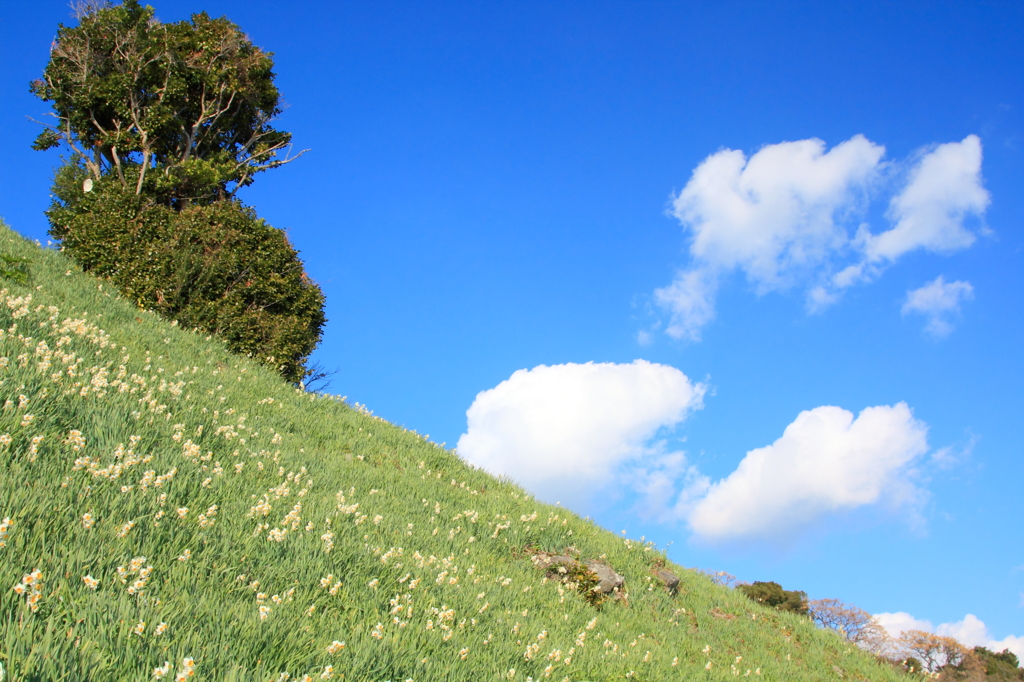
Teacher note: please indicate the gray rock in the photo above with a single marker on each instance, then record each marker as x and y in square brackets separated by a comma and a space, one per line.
[610, 580]
[543, 560]
[670, 579]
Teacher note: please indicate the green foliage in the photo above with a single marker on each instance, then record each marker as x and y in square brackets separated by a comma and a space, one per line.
[772, 595]
[912, 666]
[216, 268]
[14, 268]
[105, 401]
[573, 573]
[166, 122]
[180, 112]
[584, 581]
[999, 667]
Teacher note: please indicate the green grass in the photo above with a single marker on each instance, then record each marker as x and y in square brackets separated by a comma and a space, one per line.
[435, 552]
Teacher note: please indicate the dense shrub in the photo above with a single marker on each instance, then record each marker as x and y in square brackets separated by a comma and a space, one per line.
[771, 594]
[14, 268]
[999, 666]
[217, 268]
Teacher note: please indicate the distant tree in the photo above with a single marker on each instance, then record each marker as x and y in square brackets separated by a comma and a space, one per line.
[998, 667]
[771, 594]
[933, 651]
[720, 577]
[181, 112]
[944, 659]
[856, 625]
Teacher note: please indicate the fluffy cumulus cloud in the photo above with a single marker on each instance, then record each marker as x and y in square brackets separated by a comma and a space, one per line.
[898, 623]
[789, 215]
[774, 216]
[563, 431]
[568, 431]
[938, 301]
[826, 462]
[971, 631]
[944, 189]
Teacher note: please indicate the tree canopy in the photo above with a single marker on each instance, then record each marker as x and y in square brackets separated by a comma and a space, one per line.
[181, 112]
[771, 594]
[165, 123]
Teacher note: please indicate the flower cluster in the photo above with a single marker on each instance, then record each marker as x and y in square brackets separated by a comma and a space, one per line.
[31, 586]
[76, 440]
[186, 670]
[143, 573]
[209, 518]
[5, 526]
[328, 540]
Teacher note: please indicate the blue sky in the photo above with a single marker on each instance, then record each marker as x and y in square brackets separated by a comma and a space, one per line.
[496, 187]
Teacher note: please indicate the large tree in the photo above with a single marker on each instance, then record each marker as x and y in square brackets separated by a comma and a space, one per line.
[165, 123]
[181, 112]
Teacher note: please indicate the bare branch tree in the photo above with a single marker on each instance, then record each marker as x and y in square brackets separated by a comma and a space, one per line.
[720, 577]
[855, 624]
[83, 8]
[934, 651]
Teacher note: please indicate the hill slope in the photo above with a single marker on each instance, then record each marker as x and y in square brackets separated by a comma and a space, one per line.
[175, 510]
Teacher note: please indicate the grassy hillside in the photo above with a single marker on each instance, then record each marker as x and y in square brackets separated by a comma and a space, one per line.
[176, 511]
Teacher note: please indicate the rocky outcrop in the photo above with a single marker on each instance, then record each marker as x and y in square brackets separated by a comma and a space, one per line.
[668, 578]
[596, 580]
[555, 565]
[610, 581]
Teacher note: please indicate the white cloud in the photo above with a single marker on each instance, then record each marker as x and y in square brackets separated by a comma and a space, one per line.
[568, 431]
[938, 301]
[898, 623]
[784, 217]
[564, 430]
[825, 462]
[1011, 642]
[775, 212]
[944, 189]
[773, 216]
[971, 631]
[668, 485]
[691, 298]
